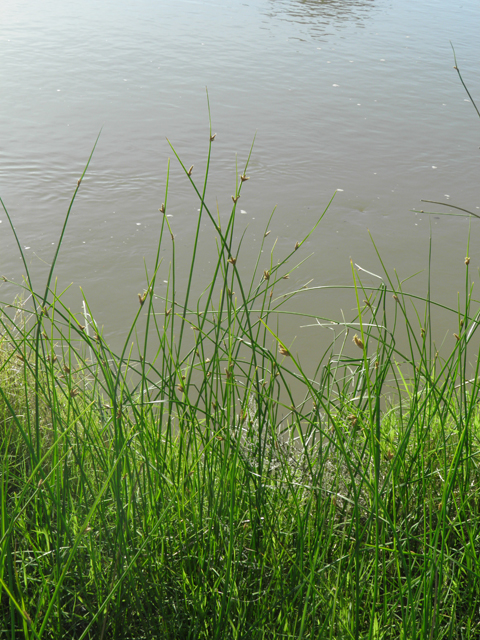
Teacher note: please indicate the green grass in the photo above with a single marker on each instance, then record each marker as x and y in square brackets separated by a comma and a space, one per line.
[200, 484]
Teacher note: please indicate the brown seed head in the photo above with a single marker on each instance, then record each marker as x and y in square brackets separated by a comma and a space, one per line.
[457, 336]
[284, 351]
[266, 275]
[267, 233]
[232, 260]
[358, 342]
[243, 178]
[190, 170]
[235, 198]
[162, 208]
[297, 244]
[467, 260]
[212, 138]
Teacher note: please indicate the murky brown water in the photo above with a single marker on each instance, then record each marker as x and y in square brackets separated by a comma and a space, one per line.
[358, 96]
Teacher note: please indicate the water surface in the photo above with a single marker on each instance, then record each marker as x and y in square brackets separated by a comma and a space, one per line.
[358, 96]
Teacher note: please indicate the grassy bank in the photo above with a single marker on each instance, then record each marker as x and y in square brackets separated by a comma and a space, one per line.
[215, 489]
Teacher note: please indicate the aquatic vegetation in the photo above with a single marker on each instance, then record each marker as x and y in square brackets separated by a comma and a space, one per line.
[202, 484]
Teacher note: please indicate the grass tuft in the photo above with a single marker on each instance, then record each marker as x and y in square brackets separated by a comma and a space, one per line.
[203, 484]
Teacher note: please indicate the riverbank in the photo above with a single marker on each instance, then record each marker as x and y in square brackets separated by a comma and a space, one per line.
[218, 490]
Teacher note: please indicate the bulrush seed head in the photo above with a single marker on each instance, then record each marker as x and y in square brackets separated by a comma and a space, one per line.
[235, 198]
[266, 275]
[232, 260]
[243, 178]
[467, 260]
[212, 138]
[162, 208]
[190, 170]
[358, 342]
[284, 351]
[297, 244]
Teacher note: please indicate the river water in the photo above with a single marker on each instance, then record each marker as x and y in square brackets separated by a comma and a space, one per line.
[357, 97]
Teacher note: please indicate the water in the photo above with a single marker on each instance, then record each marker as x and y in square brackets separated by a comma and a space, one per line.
[355, 96]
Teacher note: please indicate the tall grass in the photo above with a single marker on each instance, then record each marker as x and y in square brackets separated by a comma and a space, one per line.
[202, 484]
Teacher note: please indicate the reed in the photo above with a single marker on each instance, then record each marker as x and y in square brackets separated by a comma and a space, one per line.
[184, 490]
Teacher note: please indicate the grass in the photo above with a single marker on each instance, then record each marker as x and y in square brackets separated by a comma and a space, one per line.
[202, 484]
